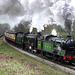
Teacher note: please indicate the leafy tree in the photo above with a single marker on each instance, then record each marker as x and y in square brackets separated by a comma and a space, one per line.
[73, 32]
[23, 26]
[3, 28]
[34, 30]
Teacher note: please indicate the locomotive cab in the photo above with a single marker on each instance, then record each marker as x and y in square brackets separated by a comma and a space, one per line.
[30, 41]
[19, 39]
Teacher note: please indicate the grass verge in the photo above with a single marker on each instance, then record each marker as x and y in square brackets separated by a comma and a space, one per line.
[13, 62]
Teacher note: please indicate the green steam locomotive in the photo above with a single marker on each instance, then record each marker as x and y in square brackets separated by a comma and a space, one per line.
[55, 47]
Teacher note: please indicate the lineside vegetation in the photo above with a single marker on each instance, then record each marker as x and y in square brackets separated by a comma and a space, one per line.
[13, 62]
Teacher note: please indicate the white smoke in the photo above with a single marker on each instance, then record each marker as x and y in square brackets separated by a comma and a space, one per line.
[63, 14]
[40, 12]
[54, 32]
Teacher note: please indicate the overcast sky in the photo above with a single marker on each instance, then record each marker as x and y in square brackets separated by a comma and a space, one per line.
[13, 11]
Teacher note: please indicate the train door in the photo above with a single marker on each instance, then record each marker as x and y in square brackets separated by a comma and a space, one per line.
[40, 42]
[19, 38]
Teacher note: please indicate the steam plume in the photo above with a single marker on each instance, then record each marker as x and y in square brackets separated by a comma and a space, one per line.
[40, 12]
[63, 15]
[43, 11]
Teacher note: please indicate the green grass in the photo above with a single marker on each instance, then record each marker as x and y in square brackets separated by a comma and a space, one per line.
[13, 62]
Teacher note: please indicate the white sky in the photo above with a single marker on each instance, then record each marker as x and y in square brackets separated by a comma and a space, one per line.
[30, 1]
[12, 12]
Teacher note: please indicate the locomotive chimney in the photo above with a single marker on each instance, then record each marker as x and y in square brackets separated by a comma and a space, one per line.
[39, 33]
[68, 37]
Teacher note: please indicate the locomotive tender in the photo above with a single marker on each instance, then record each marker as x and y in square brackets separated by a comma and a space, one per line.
[62, 49]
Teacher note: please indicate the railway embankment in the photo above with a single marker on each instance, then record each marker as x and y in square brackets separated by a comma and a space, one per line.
[13, 62]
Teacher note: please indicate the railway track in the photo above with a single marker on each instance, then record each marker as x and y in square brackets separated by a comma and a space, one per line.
[64, 66]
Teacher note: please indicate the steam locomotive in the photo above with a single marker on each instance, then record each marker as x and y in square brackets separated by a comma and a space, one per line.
[55, 47]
